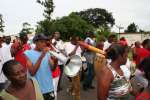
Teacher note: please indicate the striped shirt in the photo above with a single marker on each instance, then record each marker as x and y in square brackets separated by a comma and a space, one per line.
[119, 89]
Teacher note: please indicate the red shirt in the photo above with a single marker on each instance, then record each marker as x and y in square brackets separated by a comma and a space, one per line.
[141, 54]
[123, 42]
[20, 56]
[143, 96]
[56, 72]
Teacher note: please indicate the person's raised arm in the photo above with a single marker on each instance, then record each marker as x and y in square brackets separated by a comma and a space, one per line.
[104, 81]
[34, 68]
[53, 61]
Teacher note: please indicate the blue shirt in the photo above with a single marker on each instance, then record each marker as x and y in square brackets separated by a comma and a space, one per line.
[43, 75]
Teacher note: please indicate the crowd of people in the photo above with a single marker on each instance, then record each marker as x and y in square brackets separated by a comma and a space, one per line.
[28, 71]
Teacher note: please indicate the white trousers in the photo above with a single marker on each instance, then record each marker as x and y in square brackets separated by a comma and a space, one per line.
[55, 84]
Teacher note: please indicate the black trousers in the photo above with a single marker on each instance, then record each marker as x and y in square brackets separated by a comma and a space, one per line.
[60, 79]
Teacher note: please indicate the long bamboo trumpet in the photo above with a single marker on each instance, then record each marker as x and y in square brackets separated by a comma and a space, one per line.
[92, 48]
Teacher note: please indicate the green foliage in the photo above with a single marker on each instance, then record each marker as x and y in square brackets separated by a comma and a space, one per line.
[44, 27]
[141, 31]
[76, 23]
[132, 28]
[26, 28]
[102, 33]
[1, 23]
[97, 17]
[49, 8]
[68, 26]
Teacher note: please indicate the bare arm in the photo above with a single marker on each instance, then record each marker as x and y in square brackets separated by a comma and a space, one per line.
[34, 68]
[104, 81]
[53, 62]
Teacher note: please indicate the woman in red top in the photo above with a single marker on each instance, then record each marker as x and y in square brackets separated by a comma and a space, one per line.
[145, 95]
[19, 47]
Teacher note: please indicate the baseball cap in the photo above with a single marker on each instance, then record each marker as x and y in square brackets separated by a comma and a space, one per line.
[39, 37]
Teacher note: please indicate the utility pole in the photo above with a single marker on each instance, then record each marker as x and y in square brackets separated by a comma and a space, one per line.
[119, 28]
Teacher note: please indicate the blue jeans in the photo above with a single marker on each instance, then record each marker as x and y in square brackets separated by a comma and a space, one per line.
[90, 75]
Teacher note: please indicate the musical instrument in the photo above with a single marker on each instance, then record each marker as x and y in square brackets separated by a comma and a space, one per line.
[72, 64]
[92, 48]
[99, 60]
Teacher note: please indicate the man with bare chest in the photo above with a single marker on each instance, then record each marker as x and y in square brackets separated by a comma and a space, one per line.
[20, 87]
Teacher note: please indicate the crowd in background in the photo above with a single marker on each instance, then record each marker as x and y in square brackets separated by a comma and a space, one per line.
[29, 72]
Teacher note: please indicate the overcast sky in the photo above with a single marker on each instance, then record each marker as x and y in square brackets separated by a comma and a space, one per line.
[15, 12]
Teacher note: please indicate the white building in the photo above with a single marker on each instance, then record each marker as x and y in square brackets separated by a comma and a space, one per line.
[133, 37]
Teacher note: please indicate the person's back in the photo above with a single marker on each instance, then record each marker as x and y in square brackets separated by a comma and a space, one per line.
[141, 54]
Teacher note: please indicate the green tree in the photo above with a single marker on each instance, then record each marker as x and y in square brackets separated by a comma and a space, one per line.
[1, 23]
[132, 28]
[44, 27]
[49, 8]
[68, 26]
[141, 31]
[102, 33]
[97, 17]
[26, 28]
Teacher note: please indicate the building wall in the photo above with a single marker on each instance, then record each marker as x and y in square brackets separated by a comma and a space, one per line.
[133, 37]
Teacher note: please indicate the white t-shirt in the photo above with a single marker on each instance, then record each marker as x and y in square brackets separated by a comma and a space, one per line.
[58, 46]
[69, 47]
[89, 41]
[106, 45]
[2, 77]
[6, 52]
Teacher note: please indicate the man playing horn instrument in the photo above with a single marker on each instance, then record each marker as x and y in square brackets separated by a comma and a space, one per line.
[40, 64]
[72, 48]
